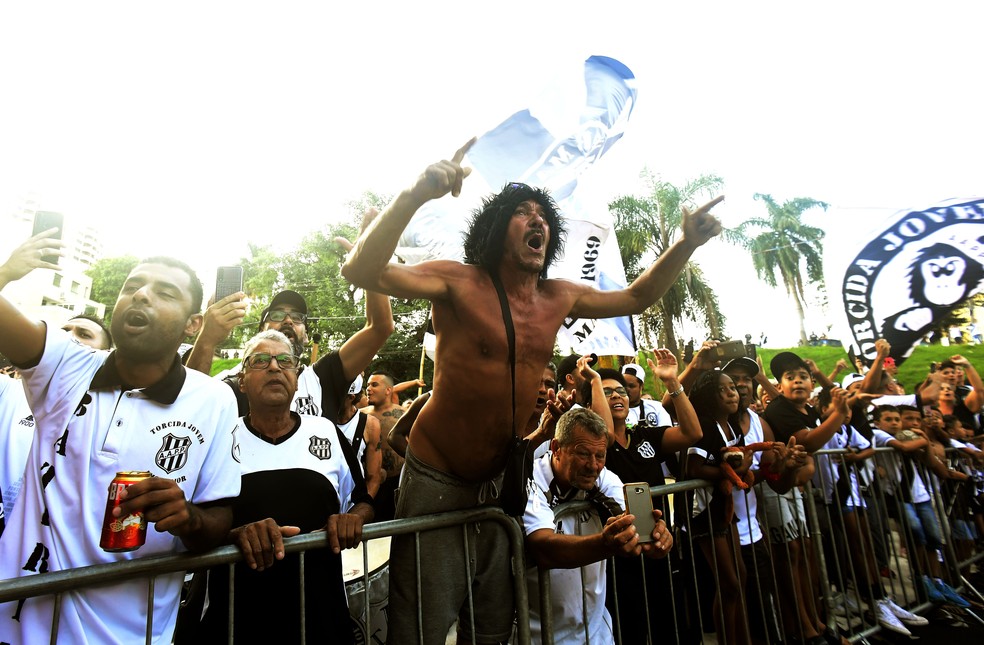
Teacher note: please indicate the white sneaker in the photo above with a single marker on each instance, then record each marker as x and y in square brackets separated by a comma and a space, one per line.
[844, 605]
[905, 615]
[887, 619]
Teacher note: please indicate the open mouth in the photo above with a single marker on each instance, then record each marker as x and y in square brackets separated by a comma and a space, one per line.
[136, 319]
[535, 241]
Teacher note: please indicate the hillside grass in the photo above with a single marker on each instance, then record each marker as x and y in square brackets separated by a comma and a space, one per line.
[911, 372]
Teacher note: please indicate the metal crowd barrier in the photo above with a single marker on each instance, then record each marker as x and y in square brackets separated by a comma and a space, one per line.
[58, 582]
[832, 588]
[682, 591]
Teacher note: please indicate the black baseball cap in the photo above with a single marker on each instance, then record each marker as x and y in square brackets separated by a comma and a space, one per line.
[286, 297]
[744, 362]
[785, 361]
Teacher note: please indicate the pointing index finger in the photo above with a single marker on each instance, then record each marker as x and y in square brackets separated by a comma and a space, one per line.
[463, 150]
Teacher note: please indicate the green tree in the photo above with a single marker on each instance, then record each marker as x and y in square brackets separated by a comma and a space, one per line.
[782, 246]
[648, 225]
[108, 276]
[336, 309]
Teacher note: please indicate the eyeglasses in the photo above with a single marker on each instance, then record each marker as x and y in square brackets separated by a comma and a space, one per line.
[278, 315]
[619, 390]
[262, 360]
[515, 185]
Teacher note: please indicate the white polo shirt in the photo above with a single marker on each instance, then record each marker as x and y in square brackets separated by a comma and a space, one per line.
[88, 428]
[16, 435]
[566, 597]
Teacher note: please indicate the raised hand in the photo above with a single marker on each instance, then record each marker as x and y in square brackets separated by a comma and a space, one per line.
[27, 256]
[883, 348]
[699, 226]
[584, 367]
[443, 177]
[665, 366]
[222, 317]
[704, 358]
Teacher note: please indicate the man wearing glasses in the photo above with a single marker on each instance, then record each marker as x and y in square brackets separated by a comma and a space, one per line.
[322, 387]
[460, 440]
[295, 479]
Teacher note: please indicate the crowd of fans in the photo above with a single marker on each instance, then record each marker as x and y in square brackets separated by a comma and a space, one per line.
[276, 447]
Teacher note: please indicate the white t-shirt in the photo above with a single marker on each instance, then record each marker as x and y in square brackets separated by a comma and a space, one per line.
[746, 504]
[828, 471]
[88, 429]
[919, 492]
[567, 594]
[16, 436]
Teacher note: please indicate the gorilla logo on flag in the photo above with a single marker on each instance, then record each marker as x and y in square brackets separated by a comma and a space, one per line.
[906, 280]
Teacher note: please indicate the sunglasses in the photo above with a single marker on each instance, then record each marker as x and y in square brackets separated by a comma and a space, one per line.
[619, 390]
[262, 360]
[278, 315]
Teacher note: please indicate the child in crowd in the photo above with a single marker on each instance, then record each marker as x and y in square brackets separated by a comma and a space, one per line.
[915, 496]
[840, 478]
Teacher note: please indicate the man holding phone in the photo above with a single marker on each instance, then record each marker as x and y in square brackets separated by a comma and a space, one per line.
[575, 470]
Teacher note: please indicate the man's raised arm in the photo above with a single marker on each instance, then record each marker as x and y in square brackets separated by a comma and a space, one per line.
[22, 339]
[698, 227]
[358, 351]
[368, 264]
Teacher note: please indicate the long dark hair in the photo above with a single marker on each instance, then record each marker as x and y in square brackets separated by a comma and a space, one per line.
[704, 394]
[486, 235]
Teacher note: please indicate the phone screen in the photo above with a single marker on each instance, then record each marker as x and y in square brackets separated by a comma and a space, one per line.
[228, 280]
[44, 220]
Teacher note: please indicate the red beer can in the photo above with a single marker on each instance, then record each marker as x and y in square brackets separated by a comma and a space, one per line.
[123, 533]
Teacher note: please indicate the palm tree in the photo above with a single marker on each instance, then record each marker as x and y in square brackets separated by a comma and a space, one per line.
[647, 226]
[783, 245]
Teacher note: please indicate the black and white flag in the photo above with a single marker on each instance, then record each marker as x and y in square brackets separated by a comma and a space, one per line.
[916, 269]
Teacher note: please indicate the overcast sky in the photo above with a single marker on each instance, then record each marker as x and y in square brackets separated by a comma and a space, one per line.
[190, 128]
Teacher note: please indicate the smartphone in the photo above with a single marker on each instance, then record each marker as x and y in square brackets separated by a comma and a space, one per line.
[729, 349]
[639, 502]
[43, 220]
[751, 351]
[228, 280]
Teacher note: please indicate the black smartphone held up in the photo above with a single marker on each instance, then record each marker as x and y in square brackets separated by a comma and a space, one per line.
[44, 220]
[228, 280]
[639, 502]
[728, 350]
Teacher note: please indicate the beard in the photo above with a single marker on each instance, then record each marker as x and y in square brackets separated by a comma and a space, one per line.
[149, 347]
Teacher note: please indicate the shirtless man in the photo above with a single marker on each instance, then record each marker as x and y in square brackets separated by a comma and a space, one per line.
[379, 391]
[461, 437]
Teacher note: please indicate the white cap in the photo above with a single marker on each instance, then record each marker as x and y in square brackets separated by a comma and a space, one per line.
[634, 370]
[356, 386]
[851, 379]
